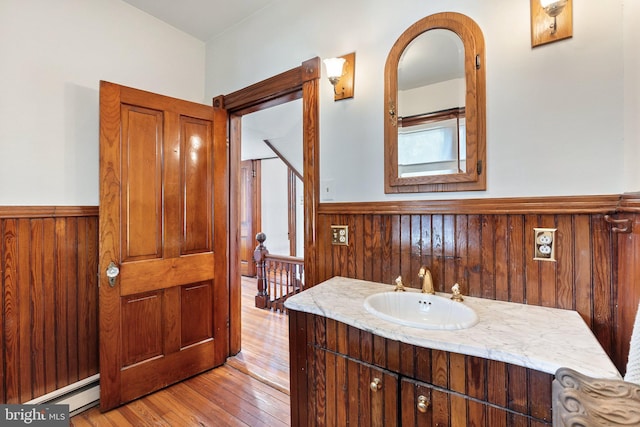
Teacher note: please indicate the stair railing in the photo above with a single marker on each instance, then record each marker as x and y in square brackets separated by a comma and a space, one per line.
[278, 277]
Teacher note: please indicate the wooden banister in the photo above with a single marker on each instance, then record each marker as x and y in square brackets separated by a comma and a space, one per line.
[279, 276]
[259, 256]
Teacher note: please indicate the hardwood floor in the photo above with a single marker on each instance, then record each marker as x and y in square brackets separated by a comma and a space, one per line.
[265, 342]
[251, 389]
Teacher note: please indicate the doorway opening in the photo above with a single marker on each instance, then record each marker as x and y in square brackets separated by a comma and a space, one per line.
[271, 186]
[302, 84]
[271, 202]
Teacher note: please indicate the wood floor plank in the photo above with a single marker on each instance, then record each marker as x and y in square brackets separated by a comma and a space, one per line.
[251, 389]
[142, 410]
[125, 417]
[265, 342]
[182, 405]
[82, 420]
[200, 409]
[245, 396]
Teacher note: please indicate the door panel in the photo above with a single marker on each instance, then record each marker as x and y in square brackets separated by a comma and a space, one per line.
[136, 382]
[196, 186]
[249, 214]
[144, 313]
[158, 174]
[196, 313]
[142, 131]
[157, 274]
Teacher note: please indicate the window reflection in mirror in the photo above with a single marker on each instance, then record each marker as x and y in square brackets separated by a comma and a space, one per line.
[433, 147]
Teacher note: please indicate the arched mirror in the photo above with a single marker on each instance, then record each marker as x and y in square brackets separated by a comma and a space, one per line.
[435, 107]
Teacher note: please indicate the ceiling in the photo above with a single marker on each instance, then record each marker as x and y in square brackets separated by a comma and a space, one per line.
[281, 125]
[203, 19]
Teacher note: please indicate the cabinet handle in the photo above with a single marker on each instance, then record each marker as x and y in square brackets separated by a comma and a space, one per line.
[376, 384]
[423, 404]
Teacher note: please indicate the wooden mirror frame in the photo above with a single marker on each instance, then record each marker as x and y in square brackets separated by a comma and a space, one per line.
[475, 177]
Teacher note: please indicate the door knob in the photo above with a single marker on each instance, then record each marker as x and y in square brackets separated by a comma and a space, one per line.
[112, 272]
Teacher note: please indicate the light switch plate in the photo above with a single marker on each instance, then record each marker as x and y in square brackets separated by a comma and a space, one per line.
[340, 235]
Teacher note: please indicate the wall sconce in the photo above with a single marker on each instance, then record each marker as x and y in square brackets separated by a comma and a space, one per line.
[340, 72]
[551, 20]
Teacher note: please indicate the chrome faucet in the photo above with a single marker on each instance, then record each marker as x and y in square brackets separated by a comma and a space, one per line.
[427, 281]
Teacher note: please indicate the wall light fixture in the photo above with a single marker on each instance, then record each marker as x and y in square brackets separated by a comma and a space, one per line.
[340, 72]
[545, 30]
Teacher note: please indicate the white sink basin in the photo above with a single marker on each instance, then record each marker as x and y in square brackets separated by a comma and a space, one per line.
[421, 310]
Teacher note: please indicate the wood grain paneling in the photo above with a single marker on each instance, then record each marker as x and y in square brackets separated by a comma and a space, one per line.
[196, 313]
[627, 291]
[143, 312]
[142, 145]
[197, 215]
[482, 241]
[487, 247]
[464, 390]
[48, 265]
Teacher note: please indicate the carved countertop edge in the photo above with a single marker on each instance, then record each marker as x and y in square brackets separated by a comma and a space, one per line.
[580, 400]
[540, 338]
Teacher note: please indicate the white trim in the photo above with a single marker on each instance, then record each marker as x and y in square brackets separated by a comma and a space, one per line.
[79, 395]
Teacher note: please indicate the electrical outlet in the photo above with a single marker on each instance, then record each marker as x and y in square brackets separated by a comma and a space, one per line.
[340, 235]
[544, 244]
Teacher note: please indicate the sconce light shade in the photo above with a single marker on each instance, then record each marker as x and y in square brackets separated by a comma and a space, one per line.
[553, 8]
[551, 20]
[334, 68]
[340, 72]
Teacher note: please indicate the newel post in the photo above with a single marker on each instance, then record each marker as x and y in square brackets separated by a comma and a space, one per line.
[259, 255]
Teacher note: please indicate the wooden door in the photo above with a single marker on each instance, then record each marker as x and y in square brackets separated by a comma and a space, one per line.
[163, 224]
[249, 214]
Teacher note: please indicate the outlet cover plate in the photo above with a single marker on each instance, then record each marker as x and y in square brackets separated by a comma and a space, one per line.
[340, 235]
[544, 242]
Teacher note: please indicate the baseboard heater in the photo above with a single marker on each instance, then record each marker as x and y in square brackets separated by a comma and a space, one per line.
[80, 395]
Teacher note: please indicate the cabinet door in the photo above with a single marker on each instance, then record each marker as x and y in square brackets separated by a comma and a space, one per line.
[423, 405]
[348, 392]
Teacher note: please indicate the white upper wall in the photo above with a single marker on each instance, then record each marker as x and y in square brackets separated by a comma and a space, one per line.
[631, 25]
[574, 103]
[433, 97]
[53, 56]
[275, 204]
[555, 114]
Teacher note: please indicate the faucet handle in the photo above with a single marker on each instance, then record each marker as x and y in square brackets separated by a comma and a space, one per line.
[457, 296]
[399, 285]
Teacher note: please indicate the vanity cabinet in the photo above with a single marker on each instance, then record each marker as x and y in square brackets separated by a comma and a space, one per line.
[345, 391]
[423, 404]
[341, 375]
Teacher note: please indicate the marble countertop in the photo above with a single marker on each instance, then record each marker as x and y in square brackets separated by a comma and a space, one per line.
[539, 338]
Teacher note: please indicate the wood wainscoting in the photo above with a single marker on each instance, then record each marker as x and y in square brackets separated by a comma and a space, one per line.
[487, 246]
[48, 266]
[48, 277]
